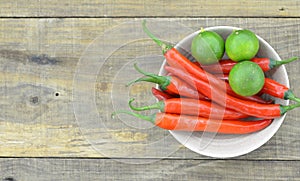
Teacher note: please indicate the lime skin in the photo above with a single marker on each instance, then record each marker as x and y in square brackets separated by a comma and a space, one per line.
[207, 47]
[246, 78]
[241, 45]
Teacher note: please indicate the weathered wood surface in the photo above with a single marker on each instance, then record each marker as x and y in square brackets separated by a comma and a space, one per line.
[27, 169]
[38, 63]
[41, 44]
[139, 8]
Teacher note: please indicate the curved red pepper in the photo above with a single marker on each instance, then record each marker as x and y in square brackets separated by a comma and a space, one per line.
[194, 107]
[278, 90]
[224, 66]
[194, 123]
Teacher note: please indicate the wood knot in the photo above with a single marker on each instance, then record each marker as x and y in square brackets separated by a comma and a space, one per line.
[43, 59]
[281, 9]
[9, 179]
[34, 100]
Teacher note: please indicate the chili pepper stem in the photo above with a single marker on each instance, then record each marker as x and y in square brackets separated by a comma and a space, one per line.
[284, 109]
[163, 81]
[150, 118]
[159, 105]
[164, 46]
[290, 95]
[145, 79]
[278, 63]
[293, 98]
[146, 73]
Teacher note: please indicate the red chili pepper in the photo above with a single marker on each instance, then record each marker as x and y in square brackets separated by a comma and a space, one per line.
[194, 123]
[272, 88]
[278, 90]
[160, 95]
[244, 106]
[267, 63]
[224, 66]
[170, 84]
[194, 107]
[176, 59]
[228, 90]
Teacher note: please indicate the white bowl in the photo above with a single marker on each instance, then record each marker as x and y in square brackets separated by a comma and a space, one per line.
[226, 146]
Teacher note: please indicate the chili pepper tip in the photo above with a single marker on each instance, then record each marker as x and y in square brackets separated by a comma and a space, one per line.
[132, 82]
[113, 115]
[131, 100]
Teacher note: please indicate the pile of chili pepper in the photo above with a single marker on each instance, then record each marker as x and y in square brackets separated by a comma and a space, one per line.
[192, 97]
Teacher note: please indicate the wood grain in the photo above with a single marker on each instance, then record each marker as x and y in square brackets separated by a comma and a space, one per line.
[41, 46]
[127, 8]
[33, 169]
[39, 59]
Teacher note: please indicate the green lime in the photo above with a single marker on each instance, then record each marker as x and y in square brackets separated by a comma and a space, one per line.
[246, 78]
[207, 47]
[241, 45]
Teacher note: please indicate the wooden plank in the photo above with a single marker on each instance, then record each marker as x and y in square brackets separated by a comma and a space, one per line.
[39, 57]
[106, 169]
[127, 8]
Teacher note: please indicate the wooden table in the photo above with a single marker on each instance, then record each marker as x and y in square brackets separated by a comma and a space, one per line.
[47, 53]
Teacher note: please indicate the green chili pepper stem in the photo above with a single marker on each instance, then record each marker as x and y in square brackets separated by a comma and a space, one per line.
[144, 72]
[142, 79]
[150, 118]
[162, 81]
[276, 63]
[159, 105]
[290, 95]
[284, 109]
[295, 99]
[164, 46]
